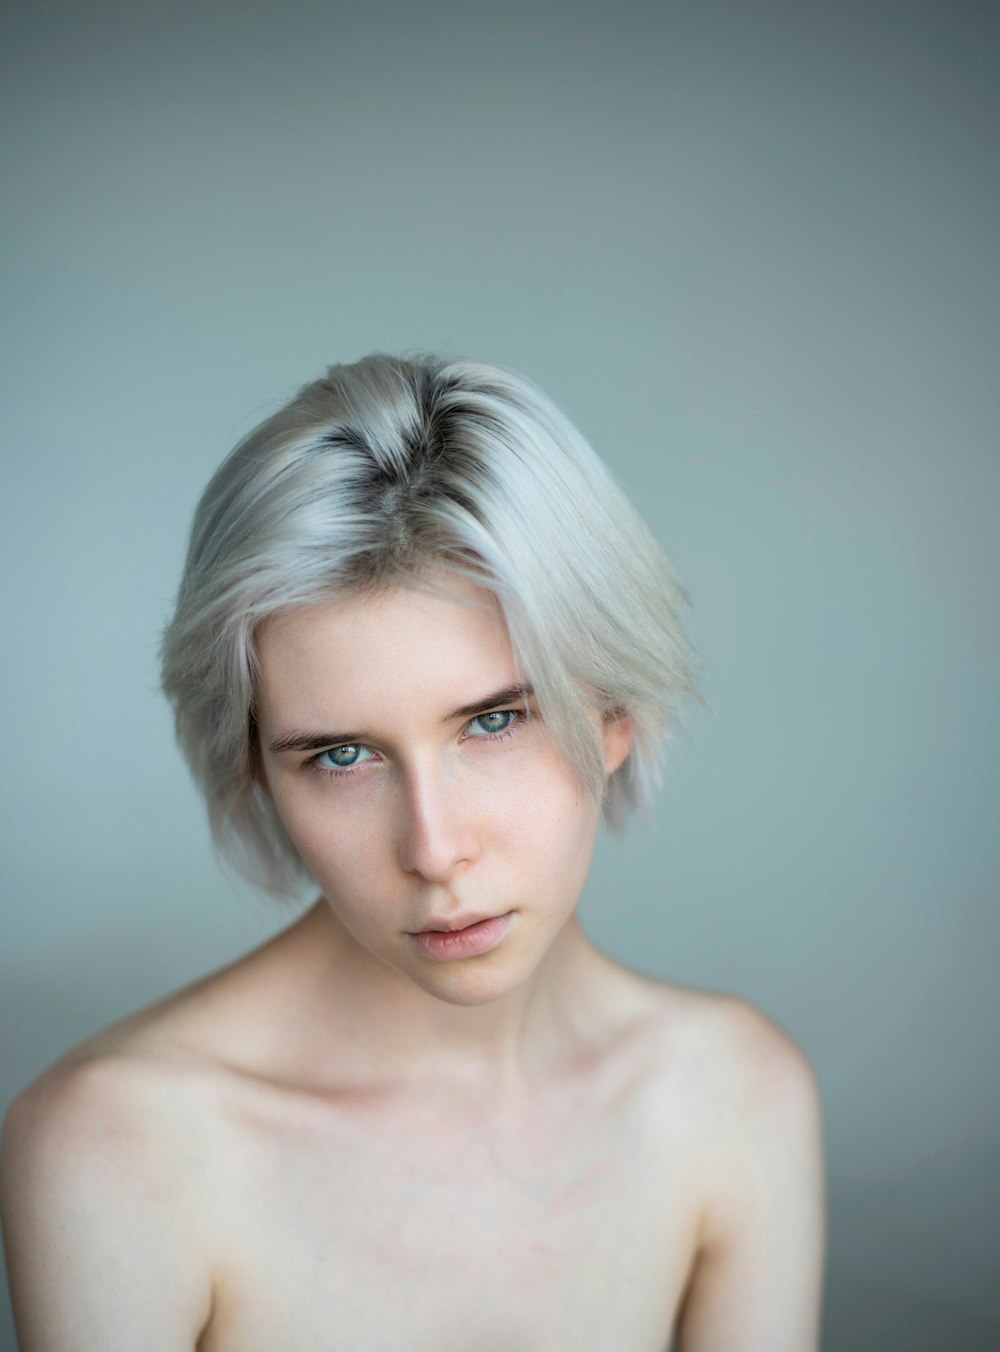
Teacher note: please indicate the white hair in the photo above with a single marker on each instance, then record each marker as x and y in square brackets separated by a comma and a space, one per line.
[367, 477]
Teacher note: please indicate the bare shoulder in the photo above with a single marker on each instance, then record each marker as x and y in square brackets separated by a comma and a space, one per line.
[752, 1143]
[135, 1091]
[737, 1087]
[725, 1047]
[114, 1189]
[88, 1122]
[107, 1094]
[142, 1107]
[757, 1058]
[764, 1092]
[104, 1192]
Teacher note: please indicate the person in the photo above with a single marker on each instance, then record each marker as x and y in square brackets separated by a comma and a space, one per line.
[423, 644]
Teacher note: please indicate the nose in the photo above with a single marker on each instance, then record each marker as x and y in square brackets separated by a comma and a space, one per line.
[437, 835]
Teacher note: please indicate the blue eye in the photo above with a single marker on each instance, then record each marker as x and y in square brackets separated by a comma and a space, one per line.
[343, 757]
[499, 721]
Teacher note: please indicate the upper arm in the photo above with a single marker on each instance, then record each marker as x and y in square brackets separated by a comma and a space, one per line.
[104, 1246]
[757, 1282]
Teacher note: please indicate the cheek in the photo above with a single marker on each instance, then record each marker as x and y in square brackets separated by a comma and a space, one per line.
[545, 815]
[331, 829]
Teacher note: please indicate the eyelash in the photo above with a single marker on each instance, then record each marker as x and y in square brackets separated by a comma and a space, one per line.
[330, 772]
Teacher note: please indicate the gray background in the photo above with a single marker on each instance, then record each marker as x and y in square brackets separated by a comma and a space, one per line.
[752, 251]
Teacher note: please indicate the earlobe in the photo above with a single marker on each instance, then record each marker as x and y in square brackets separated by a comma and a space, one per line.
[619, 737]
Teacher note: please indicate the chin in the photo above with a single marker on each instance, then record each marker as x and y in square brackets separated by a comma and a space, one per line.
[478, 984]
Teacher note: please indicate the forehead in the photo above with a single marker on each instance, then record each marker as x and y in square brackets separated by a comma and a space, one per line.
[423, 646]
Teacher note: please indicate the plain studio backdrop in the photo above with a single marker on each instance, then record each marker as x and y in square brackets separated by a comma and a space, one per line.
[752, 250]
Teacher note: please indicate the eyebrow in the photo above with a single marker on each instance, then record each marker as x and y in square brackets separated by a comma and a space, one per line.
[314, 741]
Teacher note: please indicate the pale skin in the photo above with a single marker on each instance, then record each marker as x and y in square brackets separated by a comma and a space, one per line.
[339, 1143]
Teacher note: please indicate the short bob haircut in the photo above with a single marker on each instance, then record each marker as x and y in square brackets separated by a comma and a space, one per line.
[376, 474]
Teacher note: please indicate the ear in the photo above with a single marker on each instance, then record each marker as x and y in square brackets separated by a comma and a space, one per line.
[618, 733]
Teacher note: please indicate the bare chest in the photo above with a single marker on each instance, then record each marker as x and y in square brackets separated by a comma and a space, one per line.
[409, 1230]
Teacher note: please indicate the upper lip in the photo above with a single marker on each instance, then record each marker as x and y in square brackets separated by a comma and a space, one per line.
[455, 922]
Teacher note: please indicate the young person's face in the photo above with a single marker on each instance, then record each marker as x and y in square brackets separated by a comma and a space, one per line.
[395, 745]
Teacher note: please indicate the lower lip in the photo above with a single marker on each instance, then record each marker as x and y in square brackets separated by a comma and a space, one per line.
[442, 945]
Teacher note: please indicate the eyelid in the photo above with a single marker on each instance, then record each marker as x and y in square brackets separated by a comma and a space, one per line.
[339, 770]
[520, 716]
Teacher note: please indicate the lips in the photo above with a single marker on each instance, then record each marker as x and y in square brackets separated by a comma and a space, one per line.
[467, 940]
[453, 924]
